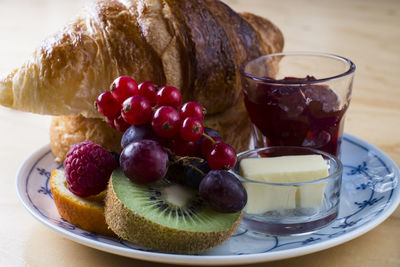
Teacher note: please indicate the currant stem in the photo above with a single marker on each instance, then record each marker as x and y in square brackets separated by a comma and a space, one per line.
[197, 169]
[175, 159]
[187, 158]
[204, 111]
[209, 138]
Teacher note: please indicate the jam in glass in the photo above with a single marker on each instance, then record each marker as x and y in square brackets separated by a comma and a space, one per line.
[297, 112]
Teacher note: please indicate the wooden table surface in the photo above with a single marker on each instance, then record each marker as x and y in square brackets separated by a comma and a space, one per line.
[366, 31]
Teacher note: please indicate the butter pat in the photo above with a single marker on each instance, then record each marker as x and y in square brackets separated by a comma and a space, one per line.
[263, 198]
[310, 195]
[285, 169]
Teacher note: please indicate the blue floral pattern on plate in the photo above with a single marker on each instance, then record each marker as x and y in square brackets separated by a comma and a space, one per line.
[369, 195]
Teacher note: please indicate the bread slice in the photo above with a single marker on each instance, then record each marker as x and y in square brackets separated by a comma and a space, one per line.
[68, 130]
[86, 213]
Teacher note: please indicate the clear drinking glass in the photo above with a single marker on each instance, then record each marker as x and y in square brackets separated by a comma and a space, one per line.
[298, 99]
[291, 208]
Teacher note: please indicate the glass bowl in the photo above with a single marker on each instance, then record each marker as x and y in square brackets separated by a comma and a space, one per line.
[280, 208]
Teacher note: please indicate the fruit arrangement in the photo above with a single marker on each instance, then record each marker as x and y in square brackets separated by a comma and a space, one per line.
[163, 42]
[160, 132]
[173, 174]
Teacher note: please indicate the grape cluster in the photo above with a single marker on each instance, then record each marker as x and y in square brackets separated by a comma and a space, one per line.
[160, 131]
[175, 126]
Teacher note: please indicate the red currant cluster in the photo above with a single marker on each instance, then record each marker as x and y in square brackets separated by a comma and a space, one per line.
[177, 127]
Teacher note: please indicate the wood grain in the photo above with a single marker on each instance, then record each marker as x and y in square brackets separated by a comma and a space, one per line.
[367, 32]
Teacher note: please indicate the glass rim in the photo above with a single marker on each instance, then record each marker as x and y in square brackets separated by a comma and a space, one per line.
[351, 68]
[332, 176]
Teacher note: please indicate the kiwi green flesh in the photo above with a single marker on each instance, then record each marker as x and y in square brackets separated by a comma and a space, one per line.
[136, 197]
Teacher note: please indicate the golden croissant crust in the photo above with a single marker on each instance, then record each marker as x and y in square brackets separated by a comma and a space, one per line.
[195, 45]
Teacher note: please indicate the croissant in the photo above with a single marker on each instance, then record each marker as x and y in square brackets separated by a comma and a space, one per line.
[194, 45]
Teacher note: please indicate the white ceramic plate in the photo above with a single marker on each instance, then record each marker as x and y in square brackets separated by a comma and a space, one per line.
[369, 195]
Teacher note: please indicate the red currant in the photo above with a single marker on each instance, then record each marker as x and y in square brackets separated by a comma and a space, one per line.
[191, 129]
[107, 105]
[191, 109]
[148, 90]
[120, 124]
[207, 145]
[182, 147]
[222, 156]
[169, 96]
[165, 121]
[136, 110]
[123, 87]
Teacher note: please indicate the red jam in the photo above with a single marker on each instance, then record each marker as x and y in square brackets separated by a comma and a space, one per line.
[302, 114]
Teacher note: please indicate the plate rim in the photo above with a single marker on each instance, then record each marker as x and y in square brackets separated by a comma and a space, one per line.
[207, 259]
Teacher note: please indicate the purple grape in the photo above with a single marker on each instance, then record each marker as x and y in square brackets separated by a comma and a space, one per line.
[223, 192]
[144, 161]
[192, 176]
[136, 133]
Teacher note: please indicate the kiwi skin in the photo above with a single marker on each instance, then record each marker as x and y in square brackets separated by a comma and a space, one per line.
[139, 230]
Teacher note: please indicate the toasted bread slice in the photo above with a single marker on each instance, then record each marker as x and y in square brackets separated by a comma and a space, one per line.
[86, 213]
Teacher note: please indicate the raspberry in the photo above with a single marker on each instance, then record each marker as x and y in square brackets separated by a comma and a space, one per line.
[88, 168]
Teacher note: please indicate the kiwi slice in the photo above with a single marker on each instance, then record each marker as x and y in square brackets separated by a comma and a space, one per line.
[165, 216]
